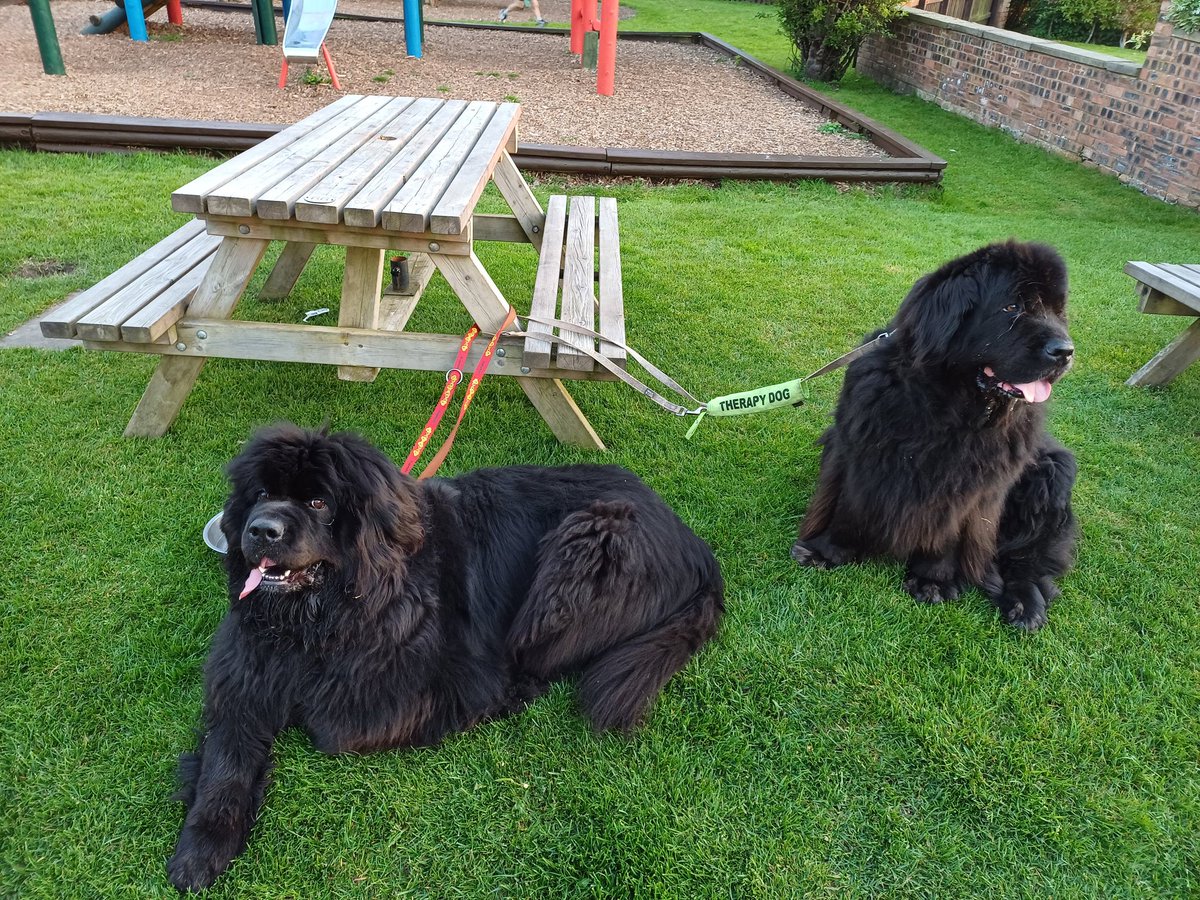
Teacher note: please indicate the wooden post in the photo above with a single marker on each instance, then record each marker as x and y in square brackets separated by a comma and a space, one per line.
[222, 287]
[362, 284]
[1170, 360]
[47, 37]
[606, 67]
[591, 50]
[288, 266]
[488, 307]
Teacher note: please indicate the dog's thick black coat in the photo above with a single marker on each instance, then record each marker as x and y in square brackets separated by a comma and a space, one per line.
[375, 611]
[938, 453]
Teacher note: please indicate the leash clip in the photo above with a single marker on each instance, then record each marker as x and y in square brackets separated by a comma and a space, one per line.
[450, 372]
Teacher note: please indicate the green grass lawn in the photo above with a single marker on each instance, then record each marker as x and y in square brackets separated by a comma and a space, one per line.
[1138, 56]
[837, 739]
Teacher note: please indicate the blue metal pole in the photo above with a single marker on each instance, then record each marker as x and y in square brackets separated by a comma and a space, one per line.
[137, 20]
[412, 28]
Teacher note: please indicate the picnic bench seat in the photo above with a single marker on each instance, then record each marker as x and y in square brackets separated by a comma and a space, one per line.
[1167, 289]
[144, 299]
[578, 281]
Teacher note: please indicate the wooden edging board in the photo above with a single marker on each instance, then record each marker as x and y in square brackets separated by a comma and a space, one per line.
[906, 162]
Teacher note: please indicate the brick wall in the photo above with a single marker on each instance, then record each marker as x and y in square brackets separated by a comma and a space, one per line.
[1141, 123]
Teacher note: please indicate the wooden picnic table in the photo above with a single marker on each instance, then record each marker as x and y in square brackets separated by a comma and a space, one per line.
[372, 174]
[1168, 289]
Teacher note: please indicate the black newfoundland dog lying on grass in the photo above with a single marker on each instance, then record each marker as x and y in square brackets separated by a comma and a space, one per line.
[375, 611]
[938, 454]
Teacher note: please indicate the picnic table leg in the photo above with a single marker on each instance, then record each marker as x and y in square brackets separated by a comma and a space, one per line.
[287, 270]
[232, 267]
[483, 300]
[520, 199]
[1170, 360]
[362, 286]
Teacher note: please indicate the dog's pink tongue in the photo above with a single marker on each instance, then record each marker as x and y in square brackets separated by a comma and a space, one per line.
[1035, 391]
[255, 576]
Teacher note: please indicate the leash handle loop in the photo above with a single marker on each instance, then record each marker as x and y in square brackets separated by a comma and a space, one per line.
[481, 368]
[454, 376]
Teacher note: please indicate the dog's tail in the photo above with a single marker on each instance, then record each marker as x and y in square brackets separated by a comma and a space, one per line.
[617, 688]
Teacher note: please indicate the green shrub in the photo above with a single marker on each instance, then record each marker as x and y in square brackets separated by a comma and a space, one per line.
[1185, 15]
[826, 33]
[1111, 22]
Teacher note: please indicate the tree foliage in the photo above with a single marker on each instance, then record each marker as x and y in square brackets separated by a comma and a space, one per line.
[826, 34]
[1185, 15]
[1084, 20]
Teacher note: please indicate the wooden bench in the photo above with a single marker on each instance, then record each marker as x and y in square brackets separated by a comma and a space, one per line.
[578, 281]
[142, 301]
[1168, 290]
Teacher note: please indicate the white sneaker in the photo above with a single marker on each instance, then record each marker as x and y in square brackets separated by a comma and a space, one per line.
[503, 14]
[541, 23]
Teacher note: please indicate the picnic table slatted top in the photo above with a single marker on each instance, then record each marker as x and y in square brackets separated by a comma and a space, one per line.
[1180, 282]
[400, 164]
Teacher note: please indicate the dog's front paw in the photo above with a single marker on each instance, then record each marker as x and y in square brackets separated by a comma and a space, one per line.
[1024, 606]
[1027, 618]
[807, 556]
[931, 590]
[819, 553]
[196, 863]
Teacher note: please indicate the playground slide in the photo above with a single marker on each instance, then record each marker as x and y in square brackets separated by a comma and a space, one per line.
[115, 17]
[308, 22]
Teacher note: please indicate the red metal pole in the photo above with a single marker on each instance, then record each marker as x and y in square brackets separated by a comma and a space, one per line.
[578, 26]
[329, 65]
[174, 12]
[606, 65]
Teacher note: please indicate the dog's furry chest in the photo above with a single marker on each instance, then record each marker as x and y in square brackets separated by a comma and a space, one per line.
[353, 683]
[358, 705]
[917, 461]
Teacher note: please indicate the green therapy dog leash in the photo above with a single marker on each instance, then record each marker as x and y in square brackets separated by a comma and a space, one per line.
[773, 396]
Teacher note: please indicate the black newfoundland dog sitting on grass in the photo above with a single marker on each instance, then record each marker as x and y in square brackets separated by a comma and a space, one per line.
[375, 611]
[938, 454]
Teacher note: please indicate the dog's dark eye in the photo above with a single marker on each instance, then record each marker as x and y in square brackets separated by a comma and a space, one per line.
[316, 503]
[1013, 308]
[262, 494]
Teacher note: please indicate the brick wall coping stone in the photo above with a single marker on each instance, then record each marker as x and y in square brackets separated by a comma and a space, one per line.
[1028, 42]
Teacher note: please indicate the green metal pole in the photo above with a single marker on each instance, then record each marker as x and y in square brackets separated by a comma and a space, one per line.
[47, 38]
[264, 17]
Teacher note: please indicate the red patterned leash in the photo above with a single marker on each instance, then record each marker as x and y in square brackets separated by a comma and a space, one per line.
[453, 379]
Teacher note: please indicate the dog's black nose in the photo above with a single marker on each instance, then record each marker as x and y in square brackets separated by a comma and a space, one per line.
[1059, 350]
[266, 528]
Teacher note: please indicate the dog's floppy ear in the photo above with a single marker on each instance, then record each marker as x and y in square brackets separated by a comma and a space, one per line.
[379, 518]
[931, 314]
